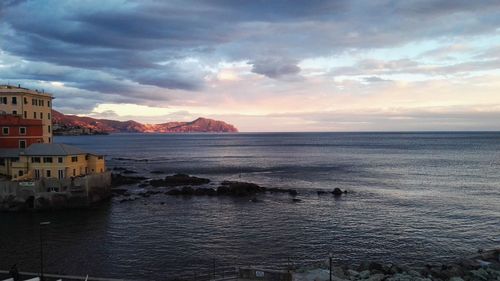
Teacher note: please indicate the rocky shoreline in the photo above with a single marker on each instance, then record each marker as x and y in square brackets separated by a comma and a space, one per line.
[485, 266]
[186, 185]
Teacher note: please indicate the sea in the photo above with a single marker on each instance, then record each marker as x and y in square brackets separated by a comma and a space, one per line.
[413, 198]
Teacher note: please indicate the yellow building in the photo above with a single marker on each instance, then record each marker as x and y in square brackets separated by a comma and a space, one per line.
[28, 104]
[40, 160]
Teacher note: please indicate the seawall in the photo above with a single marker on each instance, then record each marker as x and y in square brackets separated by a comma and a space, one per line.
[51, 193]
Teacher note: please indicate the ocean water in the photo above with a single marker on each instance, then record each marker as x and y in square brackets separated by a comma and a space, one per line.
[413, 198]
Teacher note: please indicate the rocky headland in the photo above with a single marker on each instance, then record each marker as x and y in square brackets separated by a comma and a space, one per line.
[82, 125]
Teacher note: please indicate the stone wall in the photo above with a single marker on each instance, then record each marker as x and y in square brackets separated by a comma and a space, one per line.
[51, 193]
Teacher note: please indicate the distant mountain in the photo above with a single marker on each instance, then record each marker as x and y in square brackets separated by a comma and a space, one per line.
[76, 125]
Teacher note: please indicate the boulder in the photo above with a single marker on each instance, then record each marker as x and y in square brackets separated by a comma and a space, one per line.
[187, 190]
[337, 191]
[174, 191]
[118, 179]
[205, 191]
[237, 188]
[179, 180]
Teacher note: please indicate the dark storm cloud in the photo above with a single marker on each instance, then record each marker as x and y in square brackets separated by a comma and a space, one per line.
[146, 42]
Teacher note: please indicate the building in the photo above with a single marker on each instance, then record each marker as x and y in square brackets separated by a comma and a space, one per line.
[53, 160]
[17, 132]
[26, 148]
[26, 104]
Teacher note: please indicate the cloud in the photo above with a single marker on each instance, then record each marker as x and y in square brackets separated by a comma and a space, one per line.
[274, 68]
[170, 52]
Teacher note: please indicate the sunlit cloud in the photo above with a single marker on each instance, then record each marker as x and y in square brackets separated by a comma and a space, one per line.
[305, 65]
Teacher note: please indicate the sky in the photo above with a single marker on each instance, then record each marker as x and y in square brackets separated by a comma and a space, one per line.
[262, 65]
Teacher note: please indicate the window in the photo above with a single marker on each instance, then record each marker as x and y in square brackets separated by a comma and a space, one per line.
[20, 173]
[41, 103]
[74, 172]
[22, 130]
[37, 174]
[2, 161]
[47, 159]
[60, 174]
[59, 159]
[25, 100]
[14, 100]
[14, 112]
[5, 130]
[25, 114]
[35, 159]
[74, 158]
[48, 116]
[48, 128]
[3, 100]
[32, 101]
[48, 103]
[50, 139]
[48, 173]
[22, 143]
[41, 115]
[34, 115]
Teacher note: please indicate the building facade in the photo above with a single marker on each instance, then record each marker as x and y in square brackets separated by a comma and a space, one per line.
[47, 161]
[28, 105]
[17, 132]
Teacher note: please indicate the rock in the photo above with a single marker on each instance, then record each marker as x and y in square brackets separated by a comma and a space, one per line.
[377, 267]
[337, 191]
[292, 192]
[479, 275]
[364, 274]
[178, 180]
[118, 180]
[174, 191]
[296, 200]
[187, 190]
[236, 188]
[321, 192]
[205, 191]
[376, 277]
[352, 273]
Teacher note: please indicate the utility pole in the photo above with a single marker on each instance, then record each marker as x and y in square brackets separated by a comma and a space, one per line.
[42, 224]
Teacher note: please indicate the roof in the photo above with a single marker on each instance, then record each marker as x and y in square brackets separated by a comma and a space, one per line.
[8, 89]
[10, 152]
[53, 149]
